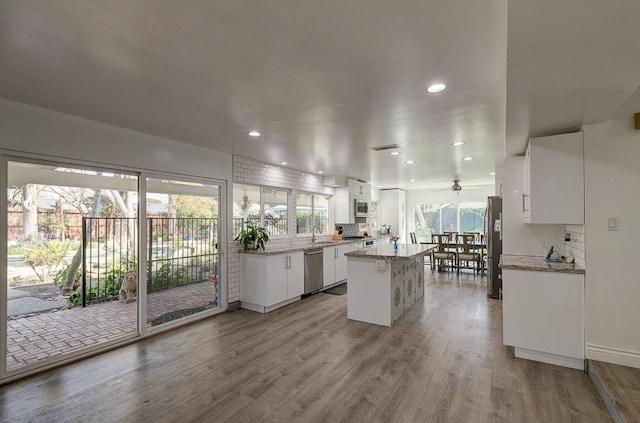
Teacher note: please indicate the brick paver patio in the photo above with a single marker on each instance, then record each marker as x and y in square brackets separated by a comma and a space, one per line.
[34, 338]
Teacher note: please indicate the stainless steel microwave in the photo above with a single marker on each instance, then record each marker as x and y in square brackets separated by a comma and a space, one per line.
[360, 209]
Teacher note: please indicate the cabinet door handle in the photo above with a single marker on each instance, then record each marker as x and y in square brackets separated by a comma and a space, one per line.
[285, 262]
[289, 265]
[524, 209]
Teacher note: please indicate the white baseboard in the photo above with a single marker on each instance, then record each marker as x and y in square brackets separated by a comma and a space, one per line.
[558, 360]
[613, 355]
[266, 309]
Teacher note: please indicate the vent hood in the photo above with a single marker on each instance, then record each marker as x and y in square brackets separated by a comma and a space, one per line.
[335, 181]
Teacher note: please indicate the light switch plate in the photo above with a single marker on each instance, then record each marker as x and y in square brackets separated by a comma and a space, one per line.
[381, 265]
[613, 223]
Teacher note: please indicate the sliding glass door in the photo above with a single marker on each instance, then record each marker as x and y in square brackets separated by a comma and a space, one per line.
[183, 249]
[71, 242]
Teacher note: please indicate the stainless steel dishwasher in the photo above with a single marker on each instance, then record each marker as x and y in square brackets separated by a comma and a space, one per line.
[313, 276]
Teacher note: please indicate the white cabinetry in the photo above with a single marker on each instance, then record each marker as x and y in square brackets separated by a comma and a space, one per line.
[359, 190]
[543, 316]
[270, 281]
[344, 201]
[518, 237]
[393, 213]
[335, 263]
[554, 180]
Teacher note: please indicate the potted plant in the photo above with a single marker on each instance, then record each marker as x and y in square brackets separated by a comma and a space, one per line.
[253, 236]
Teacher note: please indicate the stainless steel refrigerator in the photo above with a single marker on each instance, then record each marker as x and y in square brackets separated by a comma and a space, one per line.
[493, 232]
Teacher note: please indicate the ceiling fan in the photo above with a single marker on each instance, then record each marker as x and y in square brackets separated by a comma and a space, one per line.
[456, 187]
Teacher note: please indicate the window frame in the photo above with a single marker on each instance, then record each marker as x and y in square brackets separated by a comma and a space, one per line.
[326, 230]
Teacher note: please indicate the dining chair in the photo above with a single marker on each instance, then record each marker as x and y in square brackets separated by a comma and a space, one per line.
[452, 240]
[442, 256]
[414, 240]
[469, 253]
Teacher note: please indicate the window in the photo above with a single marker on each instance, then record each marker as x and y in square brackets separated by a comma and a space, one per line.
[312, 210]
[275, 211]
[261, 206]
[437, 218]
[373, 216]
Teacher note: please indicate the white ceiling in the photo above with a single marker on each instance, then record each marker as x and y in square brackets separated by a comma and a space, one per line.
[324, 81]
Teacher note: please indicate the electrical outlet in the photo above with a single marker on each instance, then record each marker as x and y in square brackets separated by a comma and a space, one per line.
[613, 223]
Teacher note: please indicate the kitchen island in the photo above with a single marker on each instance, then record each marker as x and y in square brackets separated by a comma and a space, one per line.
[383, 282]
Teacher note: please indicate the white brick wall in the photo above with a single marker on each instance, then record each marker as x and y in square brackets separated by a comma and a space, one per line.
[233, 273]
[575, 247]
[250, 171]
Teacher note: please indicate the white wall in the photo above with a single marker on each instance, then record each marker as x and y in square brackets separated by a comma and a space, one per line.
[30, 129]
[612, 175]
[416, 197]
[518, 237]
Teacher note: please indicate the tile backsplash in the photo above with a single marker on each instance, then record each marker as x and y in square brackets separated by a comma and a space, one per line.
[575, 246]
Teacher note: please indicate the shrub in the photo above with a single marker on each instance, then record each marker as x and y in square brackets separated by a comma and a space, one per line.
[44, 258]
[61, 276]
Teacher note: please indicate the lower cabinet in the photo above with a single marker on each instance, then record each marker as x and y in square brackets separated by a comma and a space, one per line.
[335, 263]
[543, 316]
[270, 281]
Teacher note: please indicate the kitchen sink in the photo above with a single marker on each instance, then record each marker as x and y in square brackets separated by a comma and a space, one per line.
[323, 243]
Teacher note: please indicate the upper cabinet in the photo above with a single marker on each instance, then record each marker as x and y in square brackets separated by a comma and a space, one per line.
[554, 180]
[346, 200]
[359, 190]
[393, 212]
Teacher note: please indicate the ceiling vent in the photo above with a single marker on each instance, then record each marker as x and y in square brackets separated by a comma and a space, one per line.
[385, 147]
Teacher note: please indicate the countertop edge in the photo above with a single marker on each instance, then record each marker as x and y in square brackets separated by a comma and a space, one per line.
[537, 264]
[366, 253]
[304, 247]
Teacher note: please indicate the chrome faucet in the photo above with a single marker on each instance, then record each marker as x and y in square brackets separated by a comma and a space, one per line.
[313, 233]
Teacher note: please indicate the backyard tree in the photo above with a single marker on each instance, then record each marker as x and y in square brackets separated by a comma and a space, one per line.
[125, 207]
[29, 211]
[67, 285]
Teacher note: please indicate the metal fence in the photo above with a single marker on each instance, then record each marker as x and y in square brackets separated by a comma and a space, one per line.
[180, 251]
[275, 226]
[109, 246]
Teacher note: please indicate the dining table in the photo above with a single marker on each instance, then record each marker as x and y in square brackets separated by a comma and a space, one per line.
[482, 246]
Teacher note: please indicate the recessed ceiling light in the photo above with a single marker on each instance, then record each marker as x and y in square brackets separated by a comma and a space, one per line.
[458, 143]
[492, 173]
[284, 163]
[320, 172]
[254, 134]
[394, 153]
[379, 186]
[467, 158]
[266, 165]
[410, 161]
[412, 180]
[436, 88]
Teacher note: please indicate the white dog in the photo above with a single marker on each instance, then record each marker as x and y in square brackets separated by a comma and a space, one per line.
[129, 284]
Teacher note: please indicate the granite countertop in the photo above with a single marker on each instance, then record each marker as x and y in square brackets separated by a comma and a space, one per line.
[536, 264]
[386, 251]
[283, 249]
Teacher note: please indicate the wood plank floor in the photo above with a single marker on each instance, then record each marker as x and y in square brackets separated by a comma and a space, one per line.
[443, 362]
[622, 385]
